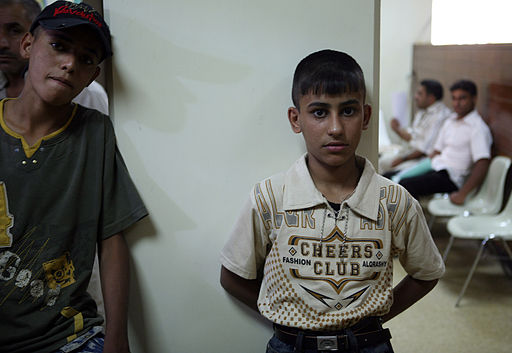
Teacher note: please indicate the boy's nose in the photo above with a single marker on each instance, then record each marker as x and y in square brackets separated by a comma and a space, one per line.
[4, 43]
[335, 127]
[68, 62]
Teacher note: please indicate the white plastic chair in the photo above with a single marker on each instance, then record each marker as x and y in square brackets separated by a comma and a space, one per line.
[484, 228]
[487, 200]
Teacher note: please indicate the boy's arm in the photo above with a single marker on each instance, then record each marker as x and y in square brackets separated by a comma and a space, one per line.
[114, 272]
[474, 180]
[433, 154]
[403, 133]
[413, 155]
[406, 293]
[245, 290]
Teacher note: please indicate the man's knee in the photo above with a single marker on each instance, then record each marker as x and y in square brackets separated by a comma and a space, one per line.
[411, 185]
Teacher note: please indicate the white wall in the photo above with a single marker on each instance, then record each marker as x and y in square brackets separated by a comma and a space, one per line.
[403, 23]
[199, 97]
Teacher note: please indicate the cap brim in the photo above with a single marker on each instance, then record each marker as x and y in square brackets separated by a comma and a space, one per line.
[62, 23]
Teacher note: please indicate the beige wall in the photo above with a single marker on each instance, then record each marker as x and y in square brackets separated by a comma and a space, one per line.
[199, 96]
[403, 24]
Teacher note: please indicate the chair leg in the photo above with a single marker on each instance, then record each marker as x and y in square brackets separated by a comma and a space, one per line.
[448, 247]
[470, 275]
[431, 221]
[507, 248]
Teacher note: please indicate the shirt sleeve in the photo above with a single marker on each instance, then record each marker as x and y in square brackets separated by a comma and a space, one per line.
[122, 205]
[420, 133]
[245, 251]
[418, 254]
[439, 140]
[481, 141]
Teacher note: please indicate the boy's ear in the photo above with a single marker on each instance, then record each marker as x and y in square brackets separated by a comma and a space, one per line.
[474, 100]
[293, 117]
[26, 45]
[96, 73]
[431, 99]
[367, 115]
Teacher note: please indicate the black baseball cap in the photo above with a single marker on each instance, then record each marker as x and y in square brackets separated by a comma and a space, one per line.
[65, 14]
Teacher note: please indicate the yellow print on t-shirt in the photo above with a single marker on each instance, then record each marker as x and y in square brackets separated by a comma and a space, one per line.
[60, 271]
[335, 260]
[6, 219]
[271, 217]
[393, 207]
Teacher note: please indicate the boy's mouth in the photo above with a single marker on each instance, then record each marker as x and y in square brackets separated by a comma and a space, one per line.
[335, 146]
[62, 81]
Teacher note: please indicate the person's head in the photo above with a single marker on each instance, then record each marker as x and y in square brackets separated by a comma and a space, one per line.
[327, 72]
[65, 45]
[463, 97]
[427, 93]
[15, 19]
[330, 111]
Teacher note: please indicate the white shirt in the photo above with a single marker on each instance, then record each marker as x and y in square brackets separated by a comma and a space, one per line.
[325, 274]
[93, 96]
[3, 84]
[426, 126]
[462, 142]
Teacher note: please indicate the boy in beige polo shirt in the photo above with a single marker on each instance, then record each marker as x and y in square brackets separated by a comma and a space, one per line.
[313, 247]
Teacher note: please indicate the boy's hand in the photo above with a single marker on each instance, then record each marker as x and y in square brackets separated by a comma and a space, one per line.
[397, 161]
[433, 154]
[395, 125]
[457, 198]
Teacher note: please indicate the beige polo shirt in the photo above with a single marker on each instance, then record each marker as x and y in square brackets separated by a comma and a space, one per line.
[323, 271]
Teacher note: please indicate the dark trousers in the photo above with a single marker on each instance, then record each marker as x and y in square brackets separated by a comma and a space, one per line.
[429, 183]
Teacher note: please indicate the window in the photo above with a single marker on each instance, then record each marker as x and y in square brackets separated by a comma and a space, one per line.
[471, 21]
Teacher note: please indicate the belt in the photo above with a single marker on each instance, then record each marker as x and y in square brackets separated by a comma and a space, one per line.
[334, 341]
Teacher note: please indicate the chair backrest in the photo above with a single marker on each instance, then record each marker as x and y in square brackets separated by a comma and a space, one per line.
[507, 210]
[489, 197]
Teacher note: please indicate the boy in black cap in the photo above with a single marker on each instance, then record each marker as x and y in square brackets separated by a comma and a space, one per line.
[63, 189]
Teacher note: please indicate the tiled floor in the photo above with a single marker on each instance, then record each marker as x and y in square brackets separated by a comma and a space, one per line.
[482, 322]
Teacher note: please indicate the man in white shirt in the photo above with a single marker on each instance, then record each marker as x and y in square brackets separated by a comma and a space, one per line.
[432, 113]
[15, 20]
[462, 152]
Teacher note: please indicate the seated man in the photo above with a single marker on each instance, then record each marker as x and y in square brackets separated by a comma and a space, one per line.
[462, 151]
[426, 125]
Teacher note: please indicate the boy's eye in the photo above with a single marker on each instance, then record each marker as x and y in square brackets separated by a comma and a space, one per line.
[319, 113]
[57, 46]
[15, 30]
[348, 111]
[86, 59]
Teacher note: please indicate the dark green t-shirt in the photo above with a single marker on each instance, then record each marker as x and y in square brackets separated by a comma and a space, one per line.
[57, 200]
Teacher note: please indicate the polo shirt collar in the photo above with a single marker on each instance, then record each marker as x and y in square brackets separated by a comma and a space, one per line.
[435, 107]
[300, 191]
[468, 118]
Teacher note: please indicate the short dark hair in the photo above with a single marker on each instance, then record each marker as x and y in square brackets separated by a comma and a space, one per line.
[465, 85]
[327, 72]
[31, 7]
[434, 88]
